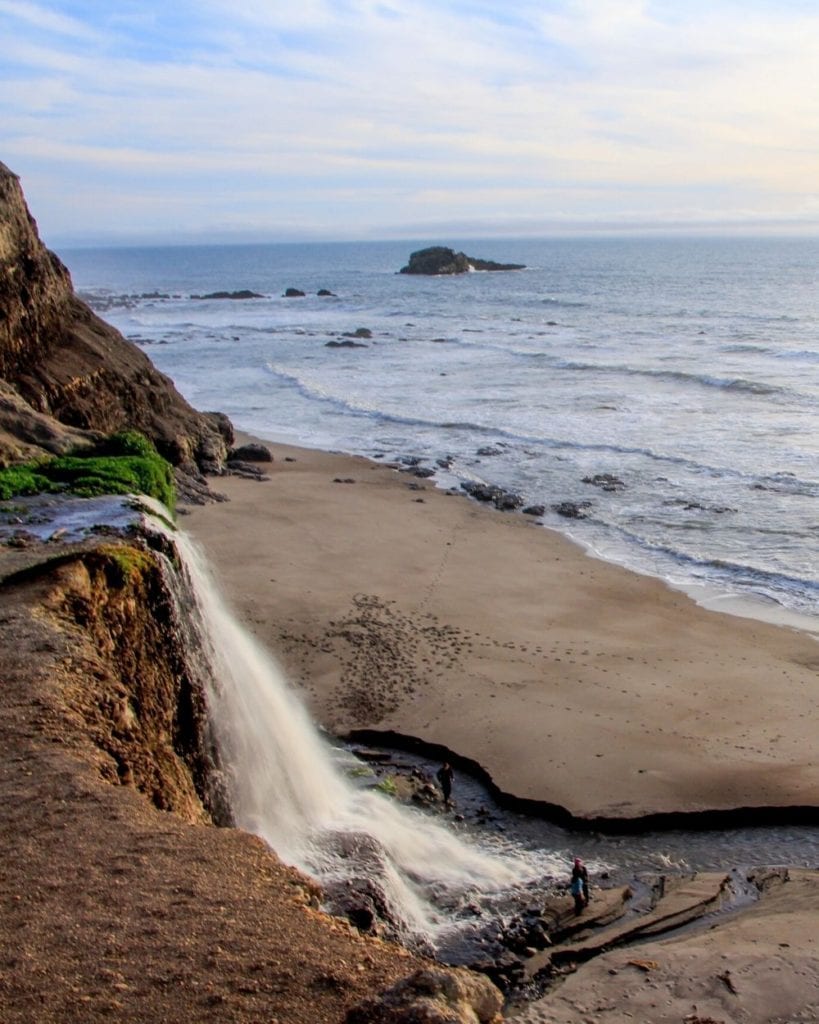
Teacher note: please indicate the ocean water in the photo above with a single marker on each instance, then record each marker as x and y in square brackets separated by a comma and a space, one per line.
[686, 368]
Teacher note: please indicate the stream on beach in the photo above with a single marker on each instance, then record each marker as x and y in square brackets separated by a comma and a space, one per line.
[444, 881]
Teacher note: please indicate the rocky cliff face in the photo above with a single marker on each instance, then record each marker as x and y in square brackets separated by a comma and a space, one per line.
[118, 907]
[66, 374]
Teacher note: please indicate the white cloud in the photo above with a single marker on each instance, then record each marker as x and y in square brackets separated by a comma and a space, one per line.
[488, 110]
[45, 19]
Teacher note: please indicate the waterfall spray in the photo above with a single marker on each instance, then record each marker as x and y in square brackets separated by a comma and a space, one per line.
[289, 786]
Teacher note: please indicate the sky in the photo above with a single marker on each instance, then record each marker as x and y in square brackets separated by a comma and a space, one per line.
[268, 120]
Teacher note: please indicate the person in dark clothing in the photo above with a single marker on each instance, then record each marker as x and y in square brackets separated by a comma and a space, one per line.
[444, 776]
[579, 887]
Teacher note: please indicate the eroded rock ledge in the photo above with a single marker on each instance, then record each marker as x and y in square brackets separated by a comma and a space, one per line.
[735, 817]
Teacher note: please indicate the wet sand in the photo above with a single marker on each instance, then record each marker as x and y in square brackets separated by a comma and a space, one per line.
[392, 605]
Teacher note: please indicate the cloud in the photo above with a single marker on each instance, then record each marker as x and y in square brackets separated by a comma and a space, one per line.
[448, 108]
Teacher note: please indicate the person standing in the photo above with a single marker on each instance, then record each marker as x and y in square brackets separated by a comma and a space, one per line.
[445, 776]
[579, 887]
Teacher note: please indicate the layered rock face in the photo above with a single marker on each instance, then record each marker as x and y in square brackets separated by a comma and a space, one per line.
[65, 374]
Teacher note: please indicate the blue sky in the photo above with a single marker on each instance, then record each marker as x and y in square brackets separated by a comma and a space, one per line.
[287, 119]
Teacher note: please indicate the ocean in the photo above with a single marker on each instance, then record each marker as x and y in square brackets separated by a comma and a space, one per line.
[665, 388]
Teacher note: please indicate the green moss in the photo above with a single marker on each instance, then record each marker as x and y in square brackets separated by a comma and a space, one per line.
[24, 479]
[124, 463]
[128, 563]
[387, 785]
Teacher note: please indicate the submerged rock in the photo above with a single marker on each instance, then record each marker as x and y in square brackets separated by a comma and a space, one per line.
[605, 481]
[506, 501]
[242, 293]
[572, 509]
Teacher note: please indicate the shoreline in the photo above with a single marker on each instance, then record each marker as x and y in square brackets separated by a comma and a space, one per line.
[396, 607]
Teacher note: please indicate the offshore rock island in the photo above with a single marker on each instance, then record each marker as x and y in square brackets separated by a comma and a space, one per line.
[127, 893]
[439, 261]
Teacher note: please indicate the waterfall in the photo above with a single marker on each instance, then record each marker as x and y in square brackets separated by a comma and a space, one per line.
[289, 786]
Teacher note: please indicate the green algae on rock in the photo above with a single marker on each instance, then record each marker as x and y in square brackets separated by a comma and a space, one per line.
[124, 463]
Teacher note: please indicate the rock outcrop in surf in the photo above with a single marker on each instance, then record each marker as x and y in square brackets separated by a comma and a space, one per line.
[439, 260]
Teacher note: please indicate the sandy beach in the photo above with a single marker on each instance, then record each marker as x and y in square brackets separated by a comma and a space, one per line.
[395, 606]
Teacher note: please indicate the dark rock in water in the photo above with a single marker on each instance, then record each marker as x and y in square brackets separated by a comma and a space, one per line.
[347, 343]
[359, 332]
[363, 904]
[445, 462]
[243, 293]
[527, 931]
[505, 970]
[572, 509]
[251, 453]
[324, 293]
[534, 510]
[293, 293]
[438, 260]
[696, 506]
[481, 492]
[605, 481]
[488, 450]
[506, 501]
[423, 472]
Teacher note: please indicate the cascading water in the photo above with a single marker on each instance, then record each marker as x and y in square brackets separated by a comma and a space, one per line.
[287, 785]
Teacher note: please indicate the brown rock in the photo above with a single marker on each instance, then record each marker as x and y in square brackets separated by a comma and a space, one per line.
[65, 363]
[433, 996]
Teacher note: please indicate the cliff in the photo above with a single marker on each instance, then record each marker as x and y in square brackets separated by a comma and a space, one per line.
[119, 899]
[125, 892]
[66, 375]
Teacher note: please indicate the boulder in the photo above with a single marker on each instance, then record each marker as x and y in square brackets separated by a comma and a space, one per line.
[506, 501]
[438, 260]
[251, 453]
[433, 995]
[605, 481]
[347, 343]
[572, 509]
[293, 293]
